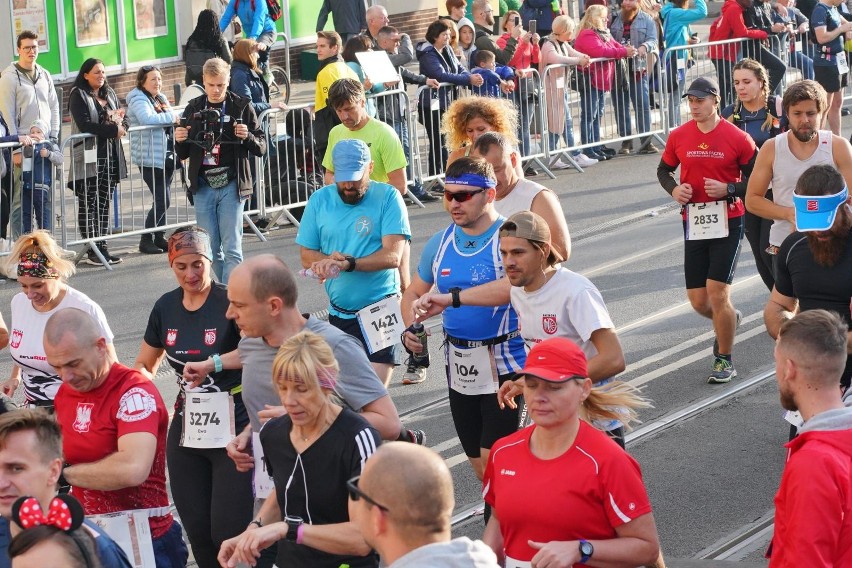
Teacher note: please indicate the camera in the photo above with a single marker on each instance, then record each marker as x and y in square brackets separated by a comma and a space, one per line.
[206, 135]
[207, 117]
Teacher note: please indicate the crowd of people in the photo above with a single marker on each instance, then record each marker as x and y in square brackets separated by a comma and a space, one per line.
[284, 446]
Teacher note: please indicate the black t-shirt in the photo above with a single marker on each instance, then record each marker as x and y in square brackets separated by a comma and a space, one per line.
[816, 287]
[196, 335]
[312, 485]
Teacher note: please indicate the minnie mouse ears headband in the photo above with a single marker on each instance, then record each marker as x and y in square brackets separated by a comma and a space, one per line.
[64, 513]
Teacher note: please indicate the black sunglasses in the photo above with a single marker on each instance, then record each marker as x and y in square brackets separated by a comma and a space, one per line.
[462, 196]
[355, 493]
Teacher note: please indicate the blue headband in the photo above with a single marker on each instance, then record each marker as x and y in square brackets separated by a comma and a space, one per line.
[472, 180]
[817, 212]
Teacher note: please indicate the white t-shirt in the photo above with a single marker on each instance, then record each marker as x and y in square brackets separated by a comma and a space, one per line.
[40, 379]
[568, 306]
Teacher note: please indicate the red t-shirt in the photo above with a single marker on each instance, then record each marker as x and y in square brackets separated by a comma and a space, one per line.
[718, 154]
[92, 422]
[585, 493]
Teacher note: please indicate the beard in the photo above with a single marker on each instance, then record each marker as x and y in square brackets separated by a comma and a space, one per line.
[787, 401]
[803, 137]
[828, 247]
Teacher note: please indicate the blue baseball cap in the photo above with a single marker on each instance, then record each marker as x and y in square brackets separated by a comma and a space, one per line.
[817, 212]
[350, 159]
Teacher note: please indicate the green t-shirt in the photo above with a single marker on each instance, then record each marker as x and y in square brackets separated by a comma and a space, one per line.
[385, 147]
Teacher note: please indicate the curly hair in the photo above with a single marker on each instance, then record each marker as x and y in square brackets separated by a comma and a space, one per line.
[499, 113]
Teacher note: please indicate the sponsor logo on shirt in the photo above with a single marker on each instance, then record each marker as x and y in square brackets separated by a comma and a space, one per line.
[84, 417]
[171, 337]
[507, 472]
[548, 323]
[135, 405]
[363, 226]
[209, 337]
[17, 336]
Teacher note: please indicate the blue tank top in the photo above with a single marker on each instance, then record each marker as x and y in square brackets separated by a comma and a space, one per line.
[480, 264]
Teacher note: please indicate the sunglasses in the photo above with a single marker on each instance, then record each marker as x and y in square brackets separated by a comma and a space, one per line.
[462, 196]
[355, 493]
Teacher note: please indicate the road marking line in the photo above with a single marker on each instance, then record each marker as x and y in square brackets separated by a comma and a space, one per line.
[627, 259]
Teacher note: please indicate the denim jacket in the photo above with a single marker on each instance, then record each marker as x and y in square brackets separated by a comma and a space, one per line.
[643, 31]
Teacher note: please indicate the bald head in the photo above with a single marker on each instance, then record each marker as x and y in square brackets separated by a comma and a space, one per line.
[415, 485]
[78, 323]
[270, 277]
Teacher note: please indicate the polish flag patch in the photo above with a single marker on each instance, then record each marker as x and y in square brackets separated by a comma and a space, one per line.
[445, 272]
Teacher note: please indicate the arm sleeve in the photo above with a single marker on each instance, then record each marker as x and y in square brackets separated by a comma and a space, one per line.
[153, 330]
[139, 410]
[430, 251]
[227, 16]
[623, 490]
[666, 172]
[322, 17]
[746, 169]
[308, 235]
[395, 216]
[783, 280]
[80, 114]
[357, 383]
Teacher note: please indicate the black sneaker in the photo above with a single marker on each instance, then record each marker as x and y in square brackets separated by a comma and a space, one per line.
[716, 341]
[417, 437]
[111, 259]
[607, 151]
[530, 171]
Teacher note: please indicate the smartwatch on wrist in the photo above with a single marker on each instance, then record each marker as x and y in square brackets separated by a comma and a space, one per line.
[456, 299]
[351, 260]
[217, 363]
[257, 522]
[586, 551]
[293, 524]
[732, 190]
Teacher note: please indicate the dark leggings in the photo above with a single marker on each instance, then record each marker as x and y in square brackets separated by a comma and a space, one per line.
[93, 195]
[431, 120]
[214, 500]
[159, 182]
[757, 233]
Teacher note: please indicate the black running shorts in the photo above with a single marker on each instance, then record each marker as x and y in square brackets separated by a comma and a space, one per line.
[712, 259]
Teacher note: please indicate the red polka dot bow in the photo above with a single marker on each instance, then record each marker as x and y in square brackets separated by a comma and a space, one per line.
[64, 513]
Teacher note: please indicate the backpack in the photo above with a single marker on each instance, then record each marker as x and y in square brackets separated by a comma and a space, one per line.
[194, 57]
[272, 6]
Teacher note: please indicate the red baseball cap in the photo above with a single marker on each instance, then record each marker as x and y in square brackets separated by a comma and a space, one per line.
[556, 360]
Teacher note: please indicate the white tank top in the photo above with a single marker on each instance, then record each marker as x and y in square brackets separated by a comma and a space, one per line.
[785, 173]
[519, 199]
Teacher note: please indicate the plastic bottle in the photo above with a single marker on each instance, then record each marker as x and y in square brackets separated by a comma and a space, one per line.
[333, 272]
[420, 359]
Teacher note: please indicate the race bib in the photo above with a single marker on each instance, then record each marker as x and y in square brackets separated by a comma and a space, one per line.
[512, 563]
[381, 324]
[472, 371]
[208, 420]
[706, 220]
[132, 532]
[794, 418]
[211, 158]
[842, 64]
[263, 484]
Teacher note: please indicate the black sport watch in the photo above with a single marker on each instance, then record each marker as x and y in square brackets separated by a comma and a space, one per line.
[293, 524]
[732, 190]
[586, 551]
[351, 260]
[456, 299]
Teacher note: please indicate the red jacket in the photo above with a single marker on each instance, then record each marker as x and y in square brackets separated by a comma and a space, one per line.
[731, 25]
[813, 507]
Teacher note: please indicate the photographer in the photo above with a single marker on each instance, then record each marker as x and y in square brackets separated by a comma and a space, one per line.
[219, 133]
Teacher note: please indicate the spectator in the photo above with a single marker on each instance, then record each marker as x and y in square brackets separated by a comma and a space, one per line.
[350, 17]
[256, 23]
[95, 110]
[542, 11]
[153, 151]
[37, 177]
[467, 35]
[205, 42]
[455, 10]
[596, 41]
[813, 506]
[220, 177]
[758, 16]
[5, 168]
[26, 93]
[634, 27]
[677, 16]
[331, 68]
[360, 44]
[483, 19]
[497, 79]
[731, 25]
[377, 18]
[247, 78]
[831, 68]
[796, 36]
[233, 31]
[526, 57]
[470, 117]
[437, 61]
[557, 50]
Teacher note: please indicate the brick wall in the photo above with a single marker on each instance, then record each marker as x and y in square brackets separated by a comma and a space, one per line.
[412, 23]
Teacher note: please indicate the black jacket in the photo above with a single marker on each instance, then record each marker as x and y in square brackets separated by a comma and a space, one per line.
[237, 107]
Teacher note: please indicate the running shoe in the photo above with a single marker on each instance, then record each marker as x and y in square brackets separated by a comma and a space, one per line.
[583, 161]
[723, 371]
[413, 374]
[716, 341]
[417, 437]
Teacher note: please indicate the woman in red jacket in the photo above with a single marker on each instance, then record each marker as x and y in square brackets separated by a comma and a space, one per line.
[595, 41]
[730, 25]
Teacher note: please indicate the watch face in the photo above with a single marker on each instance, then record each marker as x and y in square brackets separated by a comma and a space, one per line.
[586, 548]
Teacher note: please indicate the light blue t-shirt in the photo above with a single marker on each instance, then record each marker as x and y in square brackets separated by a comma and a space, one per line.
[330, 225]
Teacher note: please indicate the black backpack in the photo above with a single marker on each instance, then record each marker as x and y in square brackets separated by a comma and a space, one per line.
[194, 57]
[272, 6]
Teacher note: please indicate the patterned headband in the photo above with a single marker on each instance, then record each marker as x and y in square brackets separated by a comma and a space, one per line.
[190, 242]
[37, 265]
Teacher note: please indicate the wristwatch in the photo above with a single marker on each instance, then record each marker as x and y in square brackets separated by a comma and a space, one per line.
[293, 524]
[586, 551]
[732, 190]
[257, 522]
[456, 299]
[351, 260]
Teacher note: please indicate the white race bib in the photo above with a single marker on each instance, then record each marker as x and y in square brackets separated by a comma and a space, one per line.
[208, 420]
[842, 64]
[472, 371]
[706, 220]
[132, 532]
[263, 484]
[512, 563]
[794, 418]
[381, 323]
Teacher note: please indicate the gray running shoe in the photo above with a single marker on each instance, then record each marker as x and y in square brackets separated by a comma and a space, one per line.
[723, 371]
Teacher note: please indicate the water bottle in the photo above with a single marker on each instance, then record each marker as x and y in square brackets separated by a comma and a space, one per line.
[333, 272]
[420, 359]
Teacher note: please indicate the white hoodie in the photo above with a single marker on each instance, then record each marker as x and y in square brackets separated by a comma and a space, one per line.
[458, 553]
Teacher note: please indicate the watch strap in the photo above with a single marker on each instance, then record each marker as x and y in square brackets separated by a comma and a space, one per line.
[351, 260]
[456, 299]
[217, 363]
[586, 550]
[293, 529]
